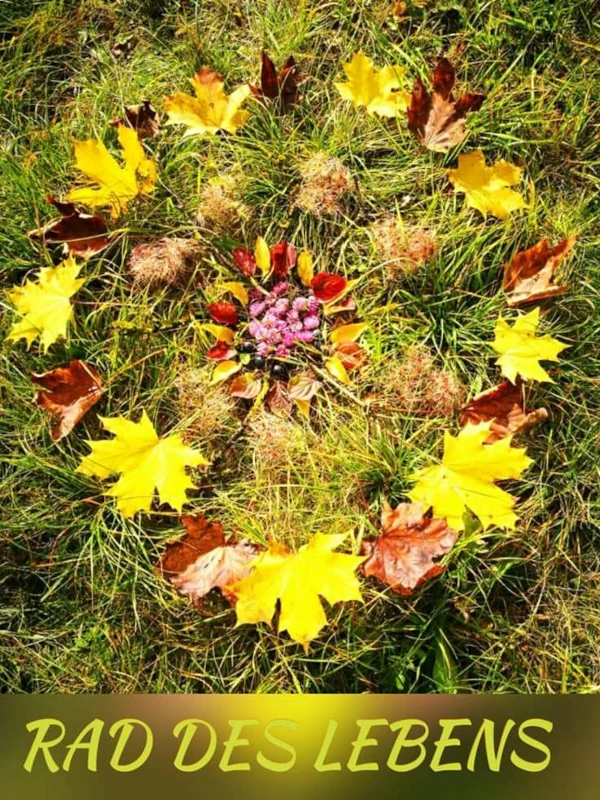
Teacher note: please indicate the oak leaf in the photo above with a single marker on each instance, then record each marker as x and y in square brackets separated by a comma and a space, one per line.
[298, 580]
[82, 235]
[438, 120]
[68, 393]
[279, 86]
[204, 560]
[45, 306]
[521, 350]
[529, 276]
[403, 555]
[504, 407]
[378, 90]
[486, 188]
[144, 462]
[116, 185]
[211, 110]
[465, 479]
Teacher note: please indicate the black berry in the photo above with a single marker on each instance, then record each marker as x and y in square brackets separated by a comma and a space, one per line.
[258, 362]
[246, 347]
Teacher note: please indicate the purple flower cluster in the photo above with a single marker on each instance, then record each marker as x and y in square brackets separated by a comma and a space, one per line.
[278, 323]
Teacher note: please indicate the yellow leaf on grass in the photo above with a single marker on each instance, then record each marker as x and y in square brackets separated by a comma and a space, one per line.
[378, 90]
[347, 333]
[220, 332]
[238, 290]
[262, 254]
[305, 268]
[298, 580]
[486, 188]
[144, 462]
[117, 186]
[465, 478]
[335, 367]
[225, 370]
[211, 110]
[303, 407]
[521, 350]
[45, 306]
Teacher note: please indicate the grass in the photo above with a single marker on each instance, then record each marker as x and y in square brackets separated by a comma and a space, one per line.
[83, 607]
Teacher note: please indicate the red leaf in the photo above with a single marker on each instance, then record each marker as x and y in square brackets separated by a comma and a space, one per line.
[269, 80]
[327, 287]
[220, 351]
[244, 261]
[69, 394]
[282, 87]
[283, 258]
[223, 312]
[82, 234]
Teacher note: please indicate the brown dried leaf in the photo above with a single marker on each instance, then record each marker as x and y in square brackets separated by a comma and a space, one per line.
[143, 118]
[204, 560]
[303, 386]
[68, 393]
[403, 555]
[82, 235]
[528, 277]
[437, 120]
[278, 400]
[504, 404]
[282, 86]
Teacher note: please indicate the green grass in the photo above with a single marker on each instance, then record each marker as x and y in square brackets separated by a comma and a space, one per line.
[82, 605]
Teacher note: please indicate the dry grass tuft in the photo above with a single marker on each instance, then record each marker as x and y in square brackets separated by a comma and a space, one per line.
[166, 262]
[402, 250]
[221, 208]
[208, 410]
[414, 385]
[325, 182]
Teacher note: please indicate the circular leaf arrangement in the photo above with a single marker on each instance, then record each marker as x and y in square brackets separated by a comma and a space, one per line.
[277, 326]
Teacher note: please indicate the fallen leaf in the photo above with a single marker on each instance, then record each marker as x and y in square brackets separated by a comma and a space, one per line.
[485, 187]
[437, 120]
[403, 555]
[282, 86]
[305, 268]
[246, 386]
[45, 306]
[220, 332]
[83, 235]
[223, 312]
[351, 354]
[201, 537]
[144, 462]
[328, 287]
[302, 387]
[204, 560]
[211, 110]
[262, 256]
[347, 333]
[143, 118]
[224, 370]
[244, 261]
[220, 351]
[465, 479]
[378, 90]
[298, 580]
[117, 186]
[68, 394]
[278, 400]
[335, 367]
[521, 350]
[283, 259]
[528, 277]
[504, 407]
[238, 290]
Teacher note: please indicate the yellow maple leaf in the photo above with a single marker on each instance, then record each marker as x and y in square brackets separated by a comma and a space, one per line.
[117, 185]
[45, 306]
[378, 90]
[297, 580]
[486, 188]
[211, 110]
[521, 350]
[465, 478]
[145, 463]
